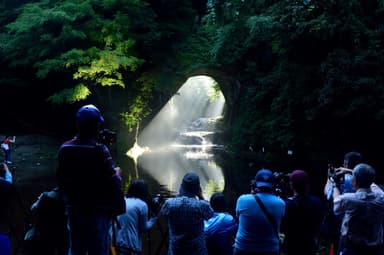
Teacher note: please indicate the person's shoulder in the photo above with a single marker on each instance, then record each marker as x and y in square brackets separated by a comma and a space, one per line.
[204, 203]
[246, 197]
[134, 202]
[68, 142]
[228, 217]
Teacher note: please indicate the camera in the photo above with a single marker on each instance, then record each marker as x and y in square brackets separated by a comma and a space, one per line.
[252, 184]
[331, 169]
[337, 177]
[107, 137]
[281, 188]
[156, 203]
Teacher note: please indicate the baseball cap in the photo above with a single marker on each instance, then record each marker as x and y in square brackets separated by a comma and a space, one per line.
[89, 113]
[264, 178]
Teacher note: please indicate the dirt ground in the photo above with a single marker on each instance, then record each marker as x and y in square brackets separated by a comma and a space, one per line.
[34, 165]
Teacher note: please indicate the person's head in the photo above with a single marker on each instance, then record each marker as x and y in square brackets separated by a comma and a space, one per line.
[363, 175]
[138, 189]
[190, 186]
[264, 180]
[352, 158]
[218, 202]
[88, 119]
[299, 180]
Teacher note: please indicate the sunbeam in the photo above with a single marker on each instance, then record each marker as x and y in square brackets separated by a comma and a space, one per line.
[179, 138]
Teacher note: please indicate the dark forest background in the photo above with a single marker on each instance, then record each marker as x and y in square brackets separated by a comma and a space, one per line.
[299, 75]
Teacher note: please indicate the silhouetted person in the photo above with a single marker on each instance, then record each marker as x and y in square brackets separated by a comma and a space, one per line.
[134, 222]
[221, 228]
[303, 217]
[186, 214]
[50, 224]
[91, 186]
[11, 218]
[340, 177]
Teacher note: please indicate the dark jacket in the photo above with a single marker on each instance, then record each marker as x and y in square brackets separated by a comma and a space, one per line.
[87, 178]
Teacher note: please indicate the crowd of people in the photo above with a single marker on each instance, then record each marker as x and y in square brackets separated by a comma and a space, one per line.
[88, 213]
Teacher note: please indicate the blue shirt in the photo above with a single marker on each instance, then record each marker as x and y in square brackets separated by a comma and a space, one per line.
[255, 233]
[219, 231]
[186, 217]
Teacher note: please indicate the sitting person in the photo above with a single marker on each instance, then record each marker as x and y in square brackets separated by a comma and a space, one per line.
[221, 228]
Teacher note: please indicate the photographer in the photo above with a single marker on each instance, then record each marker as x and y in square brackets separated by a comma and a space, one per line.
[340, 178]
[363, 214]
[90, 183]
[134, 222]
[259, 214]
[185, 215]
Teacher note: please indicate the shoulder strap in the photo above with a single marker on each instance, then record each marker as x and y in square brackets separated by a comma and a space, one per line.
[269, 216]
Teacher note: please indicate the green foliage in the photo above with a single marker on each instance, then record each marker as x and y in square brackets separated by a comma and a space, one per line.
[302, 65]
[70, 95]
[91, 41]
[140, 107]
[297, 65]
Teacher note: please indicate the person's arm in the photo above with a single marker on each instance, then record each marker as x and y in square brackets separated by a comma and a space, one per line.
[35, 206]
[328, 186]
[337, 202]
[343, 170]
[376, 189]
[200, 194]
[144, 223]
[207, 210]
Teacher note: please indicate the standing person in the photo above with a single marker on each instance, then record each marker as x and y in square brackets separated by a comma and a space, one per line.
[221, 228]
[259, 221]
[50, 224]
[6, 146]
[186, 214]
[303, 217]
[91, 186]
[362, 224]
[11, 218]
[134, 222]
[341, 178]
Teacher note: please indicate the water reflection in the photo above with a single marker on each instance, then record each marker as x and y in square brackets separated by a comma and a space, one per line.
[180, 138]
